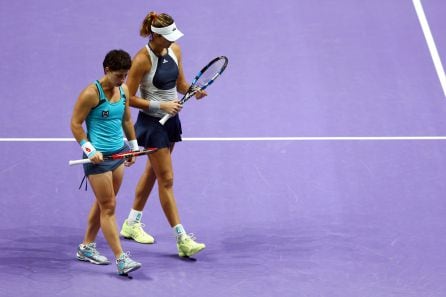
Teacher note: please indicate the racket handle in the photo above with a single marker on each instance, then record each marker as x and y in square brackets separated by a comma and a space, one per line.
[164, 119]
[77, 162]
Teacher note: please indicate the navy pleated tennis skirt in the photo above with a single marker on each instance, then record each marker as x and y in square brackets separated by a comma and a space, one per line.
[150, 133]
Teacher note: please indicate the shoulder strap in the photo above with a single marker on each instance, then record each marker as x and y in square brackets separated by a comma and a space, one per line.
[171, 53]
[122, 94]
[101, 94]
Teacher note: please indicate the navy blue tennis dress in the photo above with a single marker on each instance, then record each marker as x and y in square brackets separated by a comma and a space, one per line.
[159, 84]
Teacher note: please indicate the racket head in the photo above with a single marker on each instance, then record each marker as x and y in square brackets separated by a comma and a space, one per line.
[210, 72]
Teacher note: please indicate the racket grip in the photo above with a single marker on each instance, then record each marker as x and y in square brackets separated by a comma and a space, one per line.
[164, 119]
[77, 162]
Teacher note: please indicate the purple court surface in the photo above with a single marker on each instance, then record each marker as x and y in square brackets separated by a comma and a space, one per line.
[315, 167]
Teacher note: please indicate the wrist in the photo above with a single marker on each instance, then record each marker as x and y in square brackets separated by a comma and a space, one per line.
[154, 106]
[133, 144]
[87, 148]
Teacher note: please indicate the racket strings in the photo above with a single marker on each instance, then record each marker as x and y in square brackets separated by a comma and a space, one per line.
[210, 73]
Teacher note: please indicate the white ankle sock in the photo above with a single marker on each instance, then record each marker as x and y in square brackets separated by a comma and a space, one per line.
[134, 216]
[178, 230]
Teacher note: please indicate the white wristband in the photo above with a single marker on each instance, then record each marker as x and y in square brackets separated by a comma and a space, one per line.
[154, 105]
[134, 145]
[88, 148]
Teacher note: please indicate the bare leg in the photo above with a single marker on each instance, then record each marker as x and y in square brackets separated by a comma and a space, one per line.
[162, 166]
[105, 187]
[94, 223]
[145, 185]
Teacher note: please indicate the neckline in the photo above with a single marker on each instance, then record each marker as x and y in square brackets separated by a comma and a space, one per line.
[104, 96]
[155, 53]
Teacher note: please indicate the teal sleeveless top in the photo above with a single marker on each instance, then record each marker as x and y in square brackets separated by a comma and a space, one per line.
[104, 123]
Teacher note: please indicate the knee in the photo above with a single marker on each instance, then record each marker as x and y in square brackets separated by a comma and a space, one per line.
[165, 181]
[108, 207]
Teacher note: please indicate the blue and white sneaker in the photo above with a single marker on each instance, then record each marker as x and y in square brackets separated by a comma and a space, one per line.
[89, 253]
[126, 265]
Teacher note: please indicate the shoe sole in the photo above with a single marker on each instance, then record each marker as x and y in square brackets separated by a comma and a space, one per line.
[126, 236]
[85, 259]
[129, 270]
[191, 253]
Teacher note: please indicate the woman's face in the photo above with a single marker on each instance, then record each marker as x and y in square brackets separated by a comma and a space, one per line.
[117, 77]
[163, 42]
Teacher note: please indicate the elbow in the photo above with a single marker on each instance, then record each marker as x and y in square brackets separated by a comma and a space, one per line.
[75, 126]
[72, 126]
[132, 101]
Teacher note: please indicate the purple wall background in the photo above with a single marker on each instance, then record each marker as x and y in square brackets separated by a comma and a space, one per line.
[297, 68]
[282, 218]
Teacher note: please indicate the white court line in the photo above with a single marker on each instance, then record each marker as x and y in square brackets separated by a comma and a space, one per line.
[430, 43]
[329, 138]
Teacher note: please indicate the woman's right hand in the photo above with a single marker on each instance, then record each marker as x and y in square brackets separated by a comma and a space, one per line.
[171, 107]
[97, 158]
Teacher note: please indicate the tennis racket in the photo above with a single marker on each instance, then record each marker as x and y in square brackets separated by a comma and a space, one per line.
[116, 156]
[202, 80]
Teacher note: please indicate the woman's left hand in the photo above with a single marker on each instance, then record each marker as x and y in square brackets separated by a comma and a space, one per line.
[200, 94]
[129, 161]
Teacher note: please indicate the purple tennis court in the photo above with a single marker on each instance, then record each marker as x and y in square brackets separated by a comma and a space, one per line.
[315, 167]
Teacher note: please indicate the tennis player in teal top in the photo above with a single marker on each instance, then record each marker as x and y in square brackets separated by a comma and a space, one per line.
[104, 107]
